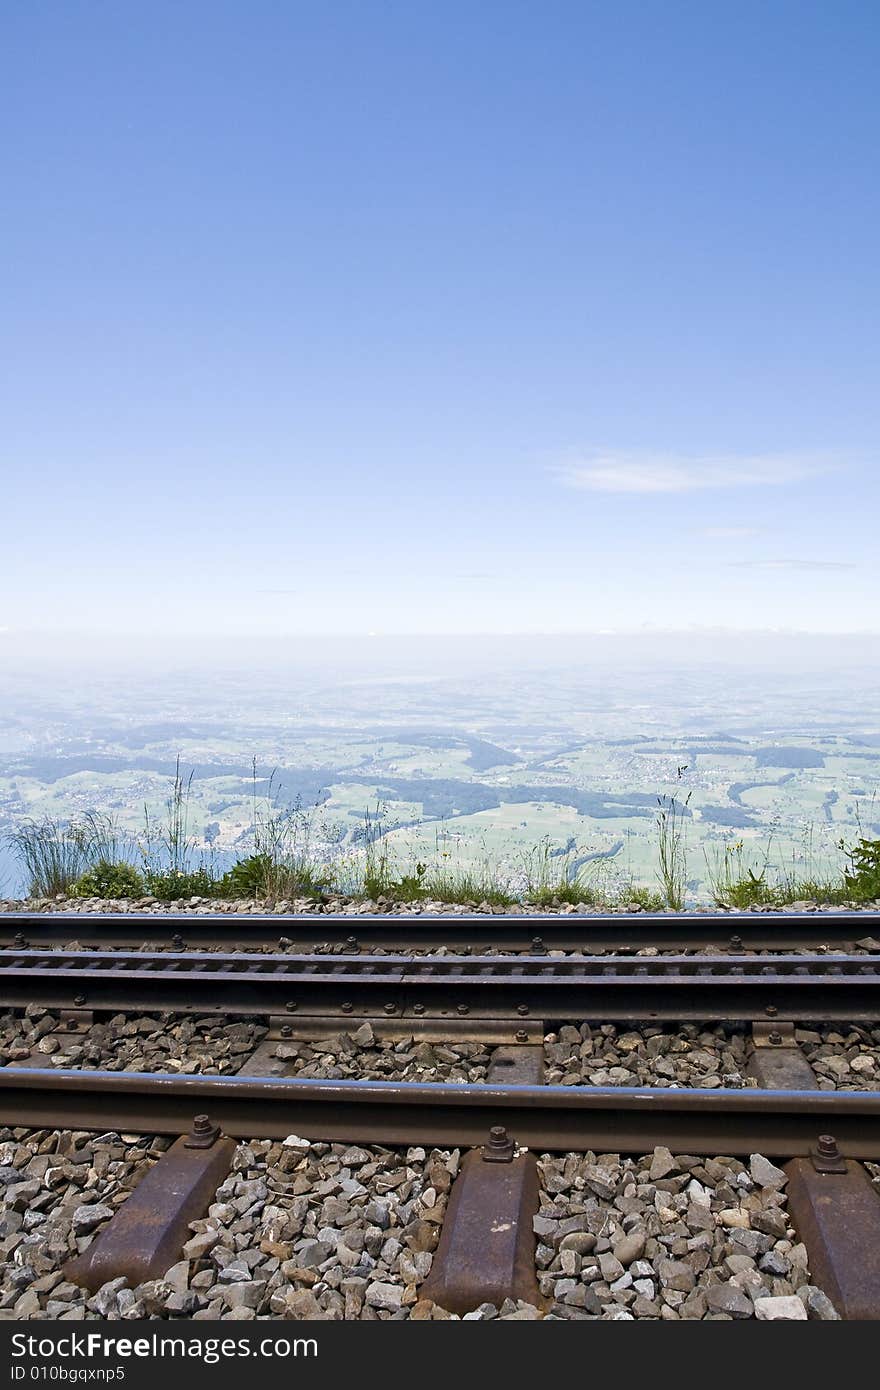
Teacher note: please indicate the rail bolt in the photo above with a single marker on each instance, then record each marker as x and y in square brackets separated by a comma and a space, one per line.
[522, 1009]
[771, 1011]
[462, 1009]
[291, 1006]
[775, 1039]
[286, 1030]
[391, 1008]
[827, 1146]
[347, 1008]
[418, 1009]
[500, 1148]
[79, 1000]
[203, 1133]
[521, 1035]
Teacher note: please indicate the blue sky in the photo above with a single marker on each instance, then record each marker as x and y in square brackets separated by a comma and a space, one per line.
[412, 318]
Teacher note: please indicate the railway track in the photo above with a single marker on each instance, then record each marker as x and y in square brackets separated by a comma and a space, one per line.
[683, 931]
[487, 1246]
[468, 990]
[780, 1123]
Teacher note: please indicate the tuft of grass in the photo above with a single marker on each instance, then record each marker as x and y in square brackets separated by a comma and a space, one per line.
[171, 868]
[552, 879]
[169, 847]
[638, 895]
[448, 884]
[672, 848]
[55, 853]
[380, 878]
[736, 882]
[284, 861]
[732, 881]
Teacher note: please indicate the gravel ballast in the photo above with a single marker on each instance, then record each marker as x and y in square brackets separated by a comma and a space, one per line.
[844, 1057]
[354, 907]
[316, 1231]
[671, 1237]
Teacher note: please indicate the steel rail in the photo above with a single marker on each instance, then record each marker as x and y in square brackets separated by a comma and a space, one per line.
[499, 987]
[620, 1119]
[681, 931]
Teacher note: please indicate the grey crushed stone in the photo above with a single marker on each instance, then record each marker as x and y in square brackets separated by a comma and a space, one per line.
[333, 1231]
[610, 1055]
[168, 1043]
[298, 1230]
[845, 1057]
[669, 1236]
[131, 1042]
[341, 905]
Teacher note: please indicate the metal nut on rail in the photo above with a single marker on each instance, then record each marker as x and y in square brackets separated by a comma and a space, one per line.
[500, 1148]
[203, 1133]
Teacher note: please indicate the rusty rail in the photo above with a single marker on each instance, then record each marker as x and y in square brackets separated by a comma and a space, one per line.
[628, 1120]
[453, 987]
[681, 931]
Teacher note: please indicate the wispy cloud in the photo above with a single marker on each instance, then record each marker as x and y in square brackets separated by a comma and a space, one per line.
[659, 472]
[792, 564]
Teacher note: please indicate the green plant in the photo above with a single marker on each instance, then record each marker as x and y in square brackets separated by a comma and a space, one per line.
[551, 877]
[862, 883]
[378, 876]
[284, 862]
[672, 848]
[637, 894]
[455, 884]
[109, 880]
[733, 882]
[168, 850]
[54, 853]
[170, 847]
[736, 882]
[258, 876]
[170, 885]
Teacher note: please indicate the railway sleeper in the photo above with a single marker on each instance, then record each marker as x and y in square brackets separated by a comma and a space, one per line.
[777, 1063]
[486, 1252]
[147, 1234]
[832, 1203]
